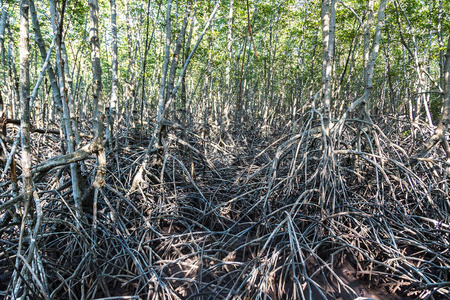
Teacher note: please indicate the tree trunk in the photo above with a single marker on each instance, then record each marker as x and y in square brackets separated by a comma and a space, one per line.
[439, 133]
[176, 53]
[70, 139]
[24, 100]
[187, 49]
[130, 89]
[367, 26]
[4, 15]
[70, 99]
[27, 189]
[369, 71]
[161, 97]
[13, 77]
[114, 77]
[144, 65]
[40, 43]
[228, 66]
[97, 102]
[420, 84]
[328, 25]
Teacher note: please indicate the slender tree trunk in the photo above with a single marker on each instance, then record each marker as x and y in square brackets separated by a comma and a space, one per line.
[27, 189]
[41, 45]
[40, 42]
[3, 16]
[369, 71]
[188, 60]
[441, 45]
[347, 68]
[183, 79]
[28, 193]
[70, 139]
[272, 83]
[165, 67]
[389, 74]
[420, 84]
[144, 65]
[364, 109]
[70, 94]
[268, 70]
[239, 96]
[439, 133]
[97, 102]
[367, 26]
[176, 53]
[13, 76]
[24, 100]
[228, 67]
[114, 77]
[328, 27]
[130, 92]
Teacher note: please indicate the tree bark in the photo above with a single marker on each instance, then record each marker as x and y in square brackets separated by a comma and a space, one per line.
[70, 139]
[439, 133]
[130, 91]
[328, 27]
[144, 65]
[114, 77]
[97, 102]
[4, 15]
[187, 49]
[420, 83]
[367, 26]
[15, 94]
[2, 124]
[24, 55]
[368, 86]
[41, 45]
[70, 94]
[20, 273]
[228, 67]
[176, 53]
[161, 97]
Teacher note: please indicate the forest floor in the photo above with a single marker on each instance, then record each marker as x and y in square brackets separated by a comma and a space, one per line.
[254, 212]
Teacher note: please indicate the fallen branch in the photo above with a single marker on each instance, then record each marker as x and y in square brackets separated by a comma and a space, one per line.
[32, 129]
[80, 154]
